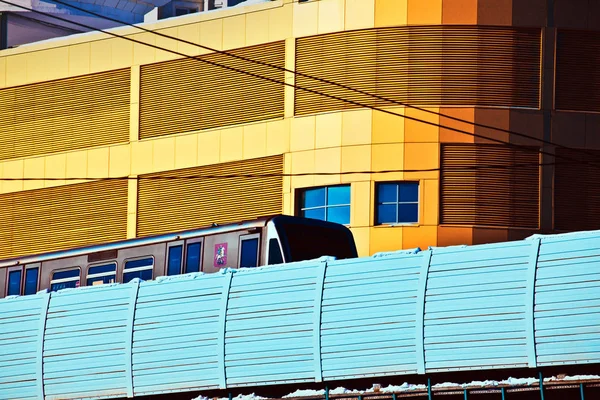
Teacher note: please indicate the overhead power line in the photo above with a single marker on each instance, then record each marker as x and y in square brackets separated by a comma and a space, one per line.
[349, 101]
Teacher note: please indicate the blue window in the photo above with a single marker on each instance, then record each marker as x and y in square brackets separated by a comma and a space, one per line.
[249, 253]
[397, 203]
[141, 268]
[174, 260]
[65, 279]
[326, 203]
[100, 274]
[14, 283]
[31, 280]
[192, 257]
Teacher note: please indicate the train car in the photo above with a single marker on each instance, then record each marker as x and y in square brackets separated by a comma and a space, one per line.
[263, 241]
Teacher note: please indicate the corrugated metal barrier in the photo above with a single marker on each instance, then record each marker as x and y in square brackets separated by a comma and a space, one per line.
[529, 303]
[421, 65]
[67, 114]
[71, 215]
[491, 185]
[168, 205]
[188, 95]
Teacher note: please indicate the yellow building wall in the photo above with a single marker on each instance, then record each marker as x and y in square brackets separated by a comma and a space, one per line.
[339, 142]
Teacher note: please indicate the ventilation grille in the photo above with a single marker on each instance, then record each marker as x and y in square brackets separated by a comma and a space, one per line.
[66, 114]
[491, 185]
[577, 70]
[63, 217]
[576, 190]
[168, 205]
[188, 95]
[437, 65]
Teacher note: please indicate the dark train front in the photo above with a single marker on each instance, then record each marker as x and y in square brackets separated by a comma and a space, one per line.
[264, 241]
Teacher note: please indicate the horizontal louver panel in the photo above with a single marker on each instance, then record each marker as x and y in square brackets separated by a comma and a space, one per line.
[62, 217]
[433, 65]
[67, 114]
[576, 192]
[577, 70]
[193, 199]
[489, 185]
[187, 95]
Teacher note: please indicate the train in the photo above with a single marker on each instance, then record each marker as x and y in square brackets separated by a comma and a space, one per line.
[531, 304]
[268, 240]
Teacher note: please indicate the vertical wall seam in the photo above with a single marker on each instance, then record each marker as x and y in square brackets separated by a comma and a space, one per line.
[530, 303]
[40, 342]
[221, 334]
[420, 311]
[317, 314]
[129, 342]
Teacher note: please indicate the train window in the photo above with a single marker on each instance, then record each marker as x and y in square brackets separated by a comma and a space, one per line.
[14, 283]
[101, 274]
[249, 251]
[192, 258]
[140, 268]
[31, 280]
[275, 256]
[65, 279]
[174, 259]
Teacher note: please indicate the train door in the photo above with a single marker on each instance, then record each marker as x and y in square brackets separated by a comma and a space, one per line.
[174, 258]
[22, 280]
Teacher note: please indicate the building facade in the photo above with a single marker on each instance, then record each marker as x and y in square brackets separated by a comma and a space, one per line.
[396, 101]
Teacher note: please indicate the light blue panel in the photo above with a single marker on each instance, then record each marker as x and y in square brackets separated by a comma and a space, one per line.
[86, 342]
[567, 299]
[475, 307]
[269, 333]
[21, 326]
[176, 333]
[368, 321]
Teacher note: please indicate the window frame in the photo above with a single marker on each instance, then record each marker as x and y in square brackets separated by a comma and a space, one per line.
[61, 280]
[397, 203]
[243, 238]
[125, 261]
[185, 254]
[301, 209]
[37, 266]
[102, 274]
[7, 285]
[181, 261]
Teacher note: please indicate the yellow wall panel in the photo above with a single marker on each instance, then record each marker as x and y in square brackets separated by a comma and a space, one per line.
[391, 12]
[385, 238]
[388, 128]
[191, 33]
[79, 59]
[234, 32]
[257, 28]
[98, 162]
[361, 204]
[211, 34]
[119, 161]
[186, 151]
[361, 238]
[77, 164]
[132, 204]
[360, 14]
[33, 168]
[328, 160]
[331, 16]
[1, 175]
[430, 201]
[421, 156]
[386, 157]
[328, 130]
[306, 18]
[356, 158]
[100, 56]
[13, 170]
[303, 134]
[209, 147]
[57, 62]
[141, 157]
[356, 127]
[143, 54]
[166, 43]
[2, 71]
[56, 167]
[303, 162]
[122, 53]
[255, 141]
[232, 144]
[163, 154]
[278, 137]
[417, 131]
[424, 12]
[16, 70]
[281, 23]
[37, 70]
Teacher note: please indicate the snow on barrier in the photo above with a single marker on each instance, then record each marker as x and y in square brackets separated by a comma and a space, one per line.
[530, 303]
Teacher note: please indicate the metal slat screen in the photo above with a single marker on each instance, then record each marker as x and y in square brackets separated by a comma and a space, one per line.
[491, 185]
[67, 114]
[62, 217]
[421, 65]
[576, 190]
[577, 70]
[188, 95]
[168, 205]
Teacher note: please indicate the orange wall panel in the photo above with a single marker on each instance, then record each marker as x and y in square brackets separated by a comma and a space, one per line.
[495, 12]
[448, 135]
[419, 236]
[421, 12]
[459, 12]
[390, 12]
[450, 235]
[493, 118]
